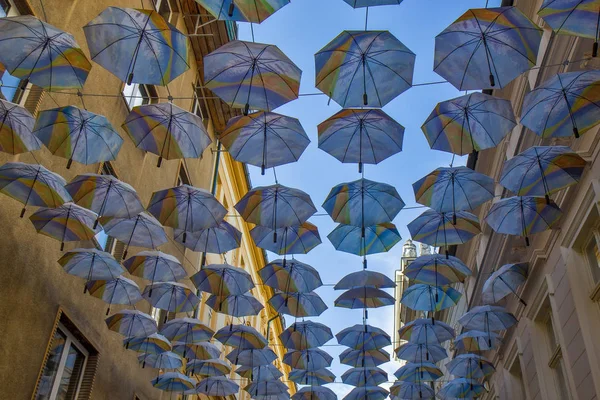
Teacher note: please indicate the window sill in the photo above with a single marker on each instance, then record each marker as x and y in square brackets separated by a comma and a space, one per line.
[595, 294]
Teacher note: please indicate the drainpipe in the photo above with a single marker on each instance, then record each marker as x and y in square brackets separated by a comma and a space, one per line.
[269, 324]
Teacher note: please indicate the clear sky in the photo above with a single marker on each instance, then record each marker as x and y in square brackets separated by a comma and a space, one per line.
[300, 29]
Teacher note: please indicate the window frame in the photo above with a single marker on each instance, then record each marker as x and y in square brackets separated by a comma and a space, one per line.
[157, 4]
[554, 351]
[593, 239]
[146, 92]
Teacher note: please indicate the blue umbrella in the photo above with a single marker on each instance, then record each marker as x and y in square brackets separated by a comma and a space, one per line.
[222, 280]
[364, 297]
[423, 352]
[251, 357]
[426, 331]
[314, 393]
[155, 266]
[297, 239]
[188, 331]
[16, 126]
[236, 305]
[265, 388]
[364, 358]
[197, 351]
[367, 393]
[279, 396]
[365, 376]
[132, 323]
[488, 319]
[424, 297]
[151, 344]
[259, 373]
[365, 278]
[243, 11]
[171, 296]
[305, 335]
[166, 360]
[215, 386]
[364, 337]
[461, 388]
[91, 264]
[371, 3]
[471, 366]
[115, 291]
[504, 281]
[218, 239]
[313, 378]
[143, 230]
[477, 341]
[214, 367]
[298, 304]
[290, 276]
[242, 337]
[435, 269]
[378, 238]
[309, 359]
[411, 391]
[173, 382]
[418, 372]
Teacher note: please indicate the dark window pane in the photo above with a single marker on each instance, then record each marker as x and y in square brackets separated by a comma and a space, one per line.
[51, 367]
[71, 374]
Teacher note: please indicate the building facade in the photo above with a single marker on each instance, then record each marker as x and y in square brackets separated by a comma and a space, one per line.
[43, 309]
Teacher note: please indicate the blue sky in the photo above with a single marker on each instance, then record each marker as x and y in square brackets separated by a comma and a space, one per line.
[302, 28]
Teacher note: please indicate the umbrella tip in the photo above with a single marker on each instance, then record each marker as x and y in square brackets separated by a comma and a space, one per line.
[595, 50]
[159, 162]
[22, 212]
[246, 109]
[130, 78]
[69, 163]
[365, 99]
[262, 169]
[492, 80]
[576, 132]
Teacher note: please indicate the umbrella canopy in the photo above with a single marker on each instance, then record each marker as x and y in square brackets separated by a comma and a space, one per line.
[166, 360]
[77, 135]
[266, 388]
[16, 126]
[252, 357]
[418, 372]
[411, 390]
[213, 367]
[523, 216]
[223, 280]
[363, 203]
[364, 297]
[291, 276]
[264, 139]
[236, 305]
[504, 281]
[260, 373]
[298, 304]
[363, 136]
[470, 123]
[477, 341]
[367, 393]
[67, 223]
[32, 184]
[364, 358]
[91, 264]
[280, 396]
[152, 344]
[198, 351]
[314, 393]
[564, 105]
[174, 382]
[171, 296]
[444, 229]
[298, 239]
[242, 10]
[188, 331]
[461, 389]
[426, 331]
[487, 319]
[487, 48]
[435, 269]
[471, 366]
[305, 335]
[155, 266]
[309, 359]
[312, 378]
[371, 376]
[251, 75]
[116, 291]
[414, 352]
[218, 239]
[41, 53]
[242, 337]
[378, 238]
[363, 337]
[365, 278]
[371, 3]
[166, 130]
[132, 323]
[364, 68]
[147, 48]
[143, 230]
[215, 386]
[424, 297]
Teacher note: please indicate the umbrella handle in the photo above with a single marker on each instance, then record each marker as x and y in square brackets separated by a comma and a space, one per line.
[69, 163]
[576, 132]
[246, 108]
[527, 241]
[185, 236]
[159, 161]
[492, 80]
[231, 8]
[262, 169]
[365, 99]
[595, 50]
[22, 212]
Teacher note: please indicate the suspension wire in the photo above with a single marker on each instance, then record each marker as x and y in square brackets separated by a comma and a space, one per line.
[44, 11]
[366, 17]
[275, 176]
[252, 31]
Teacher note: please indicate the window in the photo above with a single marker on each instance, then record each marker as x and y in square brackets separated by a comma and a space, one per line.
[105, 242]
[11, 88]
[137, 94]
[166, 9]
[593, 255]
[199, 108]
[555, 361]
[516, 388]
[182, 177]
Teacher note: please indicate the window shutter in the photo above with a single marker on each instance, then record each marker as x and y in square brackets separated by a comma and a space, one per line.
[46, 354]
[118, 250]
[89, 375]
[34, 99]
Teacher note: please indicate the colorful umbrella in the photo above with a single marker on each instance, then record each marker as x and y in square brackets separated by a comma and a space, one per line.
[260, 373]
[91, 264]
[252, 357]
[363, 136]
[314, 393]
[67, 223]
[155, 266]
[171, 296]
[242, 10]
[198, 351]
[477, 341]
[266, 388]
[132, 323]
[378, 238]
[298, 304]
[504, 281]
[365, 337]
[41, 53]
[147, 48]
[166, 360]
[437, 270]
[116, 291]
[312, 378]
[280, 396]
[298, 239]
[251, 75]
[363, 279]
[290, 277]
[424, 297]
[143, 230]
[174, 382]
[470, 366]
[167, 131]
[488, 319]
[213, 367]
[305, 335]
[364, 68]
[487, 48]
[364, 297]
[16, 126]
[367, 393]
[523, 216]
[236, 305]
[364, 358]
[372, 376]
[461, 388]
[222, 280]
[564, 105]
[423, 352]
[264, 139]
[188, 331]
[426, 331]
[309, 359]
[215, 386]
[152, 344]
[77, 135]
[218, 239]
[470, 123]
[371, 3]
[418, 372]
[242, 337]
[411, 390]
[32, 184]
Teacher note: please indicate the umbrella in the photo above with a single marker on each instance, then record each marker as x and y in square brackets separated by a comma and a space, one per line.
[251, 75]
[364, 297]
[155, 266]
[299, 239]
[461, 389]
[487, 48]
[415, 352]
[364, 68]
[105, 195]
[173, 382]
[143, 230]
[378, 238]
[305, 335]
[152, 344]
[371, 376]
[365, 278]
[541, 170]
[411, 390]
[470, 366]
[367, 393]
[198, 351]
[91, 264]
[218, 239]
[259, 373]
[266, 388]
[215, 386]
[16, 126]
[116, 291]
[504, 281]
[280, 396]
[264, 139]
[426, 331]
[364, 358]
[314, 393]
[363, 337]
[32, 184]
[291, 276]
[470, 123]
[222, 280]
[312, 378]
[67, 223]
[523, 216]
[166, 360]
[487, 319]
[298, 304]
[236, 305]
[77, 135]
[213, 367]
[242, 337]
[171, 296]
[564, 105]
[252, 357]
[41, 53]
[477, 341]
[453, 189]
[435, 269]
[418, 372]
[363, 136]
[186, 207]
[242, 10]
[186, 331]
[132, 323]
[309, 359]
[167, 131]
[147, 49]
[424, 297]
[363, 203]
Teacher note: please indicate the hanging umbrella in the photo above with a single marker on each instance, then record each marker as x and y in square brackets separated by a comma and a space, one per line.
[167, 131]
[207, 368]
[143, 230]
[291, 276]
[378, 238]
[32, 184]
[298, 304]
[251, 75]
[91, 264]
[364, 68]
[166, 360]
[305, 335]
[252, 357]
[477, 341]
[363, 203]
[174, 382]
[411, 390]
[523, 216]
[363, 136]
[280, 396]
[266, 388]
[41, 53]
[147, 48]
[312, 378]
[264, 139]
[132, 323]
[364, 376]
[218, 239]
[236, 305]
[242, 337]
[186, 331]
[198, 351]
[155, 266]
[16, 126]
[367, 393]
[437, 270]
[451, 189]
[171, 296]
[365, 278]
[116, 291]
[260, 373]
[471, 366]
[461, 388]
[426, 331]
[364, 358]
[414, 352]
[222, 280]
[215, 386]
[504, 281]
[299, 239]
[364, 337]
[242, 10]
[488, 319]
[67, 223]
[364, 297]
[77, 135]
[418, 372]
[314, 393]
[487, 48]
[564, 105]
[470, 123]
[542, 170]
[424, 297]
[309, 359]
[152, 344]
